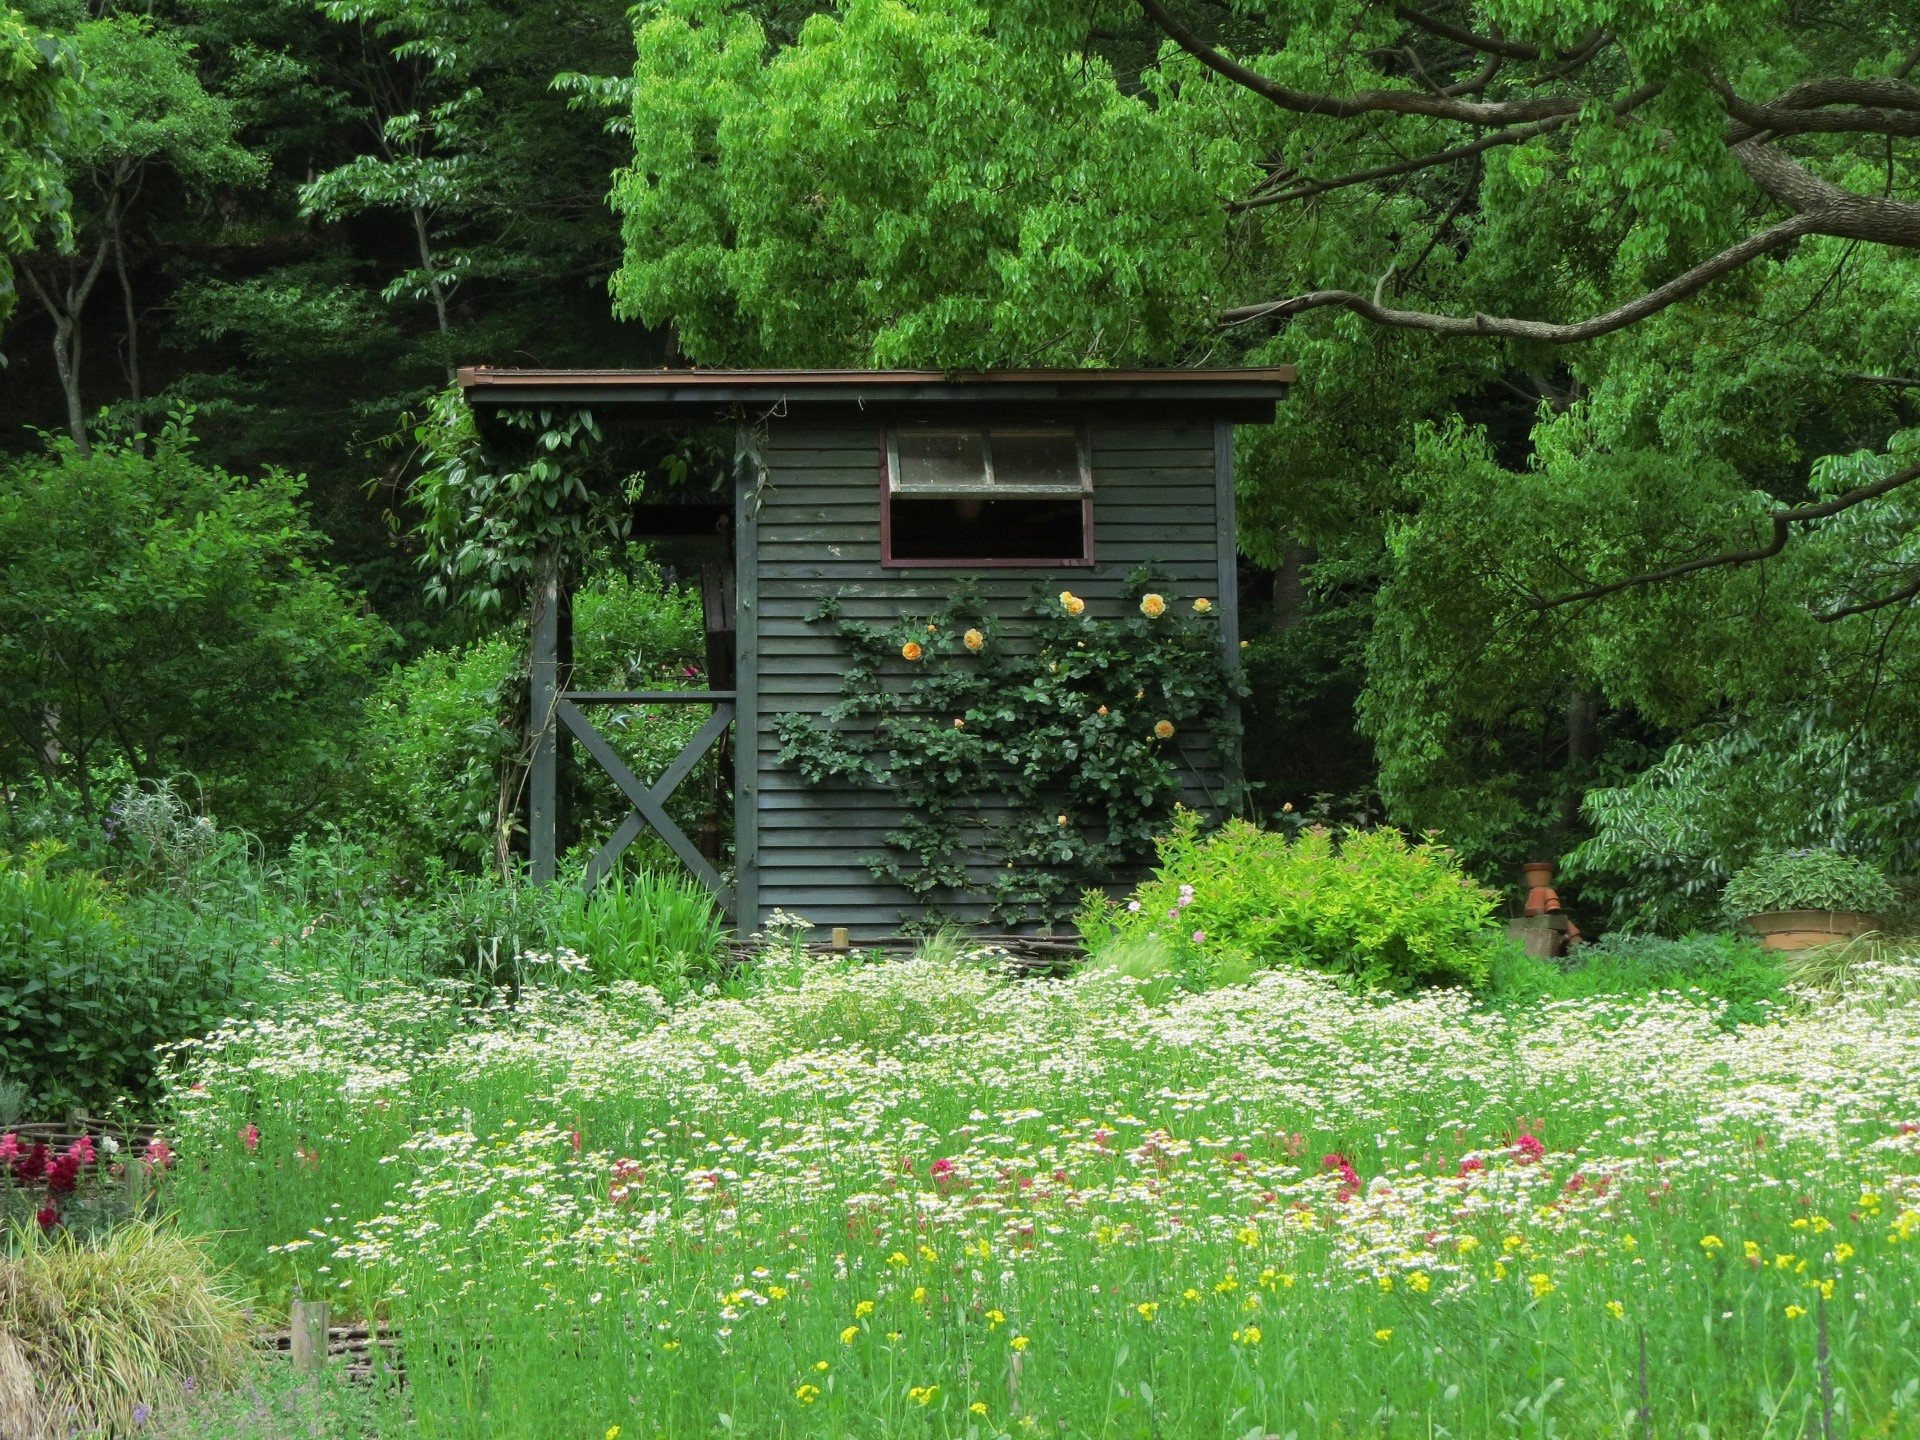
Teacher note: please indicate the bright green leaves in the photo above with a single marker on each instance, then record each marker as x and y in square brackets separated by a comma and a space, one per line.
[901, 187]
[40, 105]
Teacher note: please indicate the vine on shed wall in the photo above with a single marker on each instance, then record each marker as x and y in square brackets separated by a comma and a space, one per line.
[1082, 725]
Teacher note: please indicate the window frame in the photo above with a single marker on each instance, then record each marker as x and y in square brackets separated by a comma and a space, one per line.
[890, 467]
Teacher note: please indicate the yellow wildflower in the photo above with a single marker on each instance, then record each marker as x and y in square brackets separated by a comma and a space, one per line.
[1499, 1269]
[919, 1294]
[1467, 1244]
[1020, 1342]
[1826, 1289]
[923, 1394]
[1148, 1309]
[1781, 1262]
[1190, 1294]
[1383, 1335]
[1228, 1282]
[1251, 1335]
[1153, 606]
[821, 1365]
[1794, 1312]
[1542, 1285]
[1842, 1253]
[671, 1345]
[613, 1432]
[996, 1318]
[928, 1253]
[896, 1258]
[978, 1407]
[1385, 1282]
[1248, 1236]
[863, 1309]
[1513, 1243]
[1711, 1243]
[1616, 1309]
[807, 1394]
[911, 650]
[1750, 1249]
[1419, 1282]
[776, 1292]
[850, 1334]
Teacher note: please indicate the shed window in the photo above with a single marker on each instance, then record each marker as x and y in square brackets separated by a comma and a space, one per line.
[1018, 495]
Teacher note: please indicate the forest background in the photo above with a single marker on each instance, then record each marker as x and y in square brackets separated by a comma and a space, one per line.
[1588, 531]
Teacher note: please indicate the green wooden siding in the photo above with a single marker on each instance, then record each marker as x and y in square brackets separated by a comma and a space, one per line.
[1157, 496]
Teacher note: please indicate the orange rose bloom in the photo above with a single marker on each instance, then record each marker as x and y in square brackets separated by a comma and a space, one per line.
[911, 650]
[1163, 728]
[1153, 606]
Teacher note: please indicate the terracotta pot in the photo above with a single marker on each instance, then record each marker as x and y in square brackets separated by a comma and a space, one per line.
[1804, 929]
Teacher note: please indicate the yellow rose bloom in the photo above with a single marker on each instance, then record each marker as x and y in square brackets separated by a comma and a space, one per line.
[1163, 729]
[911, 650]
[1071, 603]
[1153, 606]
[1202, 606]
[974, 641]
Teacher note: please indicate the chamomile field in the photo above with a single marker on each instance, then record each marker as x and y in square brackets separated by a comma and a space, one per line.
[915, 1198]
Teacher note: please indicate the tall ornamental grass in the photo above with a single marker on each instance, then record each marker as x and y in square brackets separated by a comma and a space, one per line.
[910, 1200]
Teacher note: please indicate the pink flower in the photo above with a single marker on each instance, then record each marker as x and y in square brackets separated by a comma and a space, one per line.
[82, 1150]
[1530, 1149]
[250, 1137]
[1471, 1164]
[1199, 937]
[9, 1145]
[941, 1167]
[1238, 1157]
[1133, 908]
[158, 1154]
[576, 1142]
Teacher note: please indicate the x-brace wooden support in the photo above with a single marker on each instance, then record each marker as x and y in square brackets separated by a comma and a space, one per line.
[649, 801]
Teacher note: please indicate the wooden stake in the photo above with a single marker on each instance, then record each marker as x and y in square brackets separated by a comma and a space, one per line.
[309, 1327]
[841, 939]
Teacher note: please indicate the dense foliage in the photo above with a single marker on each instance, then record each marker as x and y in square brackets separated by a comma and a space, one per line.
[1371, 906]
[1807, 880]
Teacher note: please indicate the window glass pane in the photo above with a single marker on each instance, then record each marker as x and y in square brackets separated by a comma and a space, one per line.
[941, 460]
[1036, 460]
[968, 528]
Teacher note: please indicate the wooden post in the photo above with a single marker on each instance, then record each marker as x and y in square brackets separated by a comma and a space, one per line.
[543, 773]
[1227, 543]
[746, 684]
[309, 1334]
[842, 939]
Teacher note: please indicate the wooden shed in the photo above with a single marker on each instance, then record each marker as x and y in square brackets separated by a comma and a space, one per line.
[886, 490]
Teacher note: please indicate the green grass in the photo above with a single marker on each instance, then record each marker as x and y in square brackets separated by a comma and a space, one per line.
[908, 1199]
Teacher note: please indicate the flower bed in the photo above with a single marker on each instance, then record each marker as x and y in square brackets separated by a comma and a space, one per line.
[910, 1199]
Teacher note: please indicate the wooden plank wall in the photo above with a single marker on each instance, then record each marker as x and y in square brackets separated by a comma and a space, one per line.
[1156, 497]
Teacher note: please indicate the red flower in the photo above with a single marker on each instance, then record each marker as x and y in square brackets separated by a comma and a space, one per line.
[63, 1175]
[250, 1137]
[48, 1216]
[1471, 1164]
[31, 1166]
[1238, 1157]
[1530, 1149]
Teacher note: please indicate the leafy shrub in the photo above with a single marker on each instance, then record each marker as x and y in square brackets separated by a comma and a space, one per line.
[1731, 968]
[112, 1326]
[1373, 906]
[657, 927]
[1807, 880]
[87, 989]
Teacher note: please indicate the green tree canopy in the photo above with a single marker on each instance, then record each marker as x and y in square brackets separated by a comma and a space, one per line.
[159, 615]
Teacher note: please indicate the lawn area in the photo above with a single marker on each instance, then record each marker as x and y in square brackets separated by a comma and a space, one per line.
[916, 1198]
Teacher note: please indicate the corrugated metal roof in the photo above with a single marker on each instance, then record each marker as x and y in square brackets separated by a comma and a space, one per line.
[1246, 394]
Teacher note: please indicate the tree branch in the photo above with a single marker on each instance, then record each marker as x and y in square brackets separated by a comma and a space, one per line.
[1517, 135]
[1363, 102]
[1905, 592]
[1699, 277]
[1781, 520]
[1434, 25]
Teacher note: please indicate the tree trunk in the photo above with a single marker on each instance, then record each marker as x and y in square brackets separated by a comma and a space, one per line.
[1583, 712]
[131, 360]
[64, 310]
[1290, 587]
